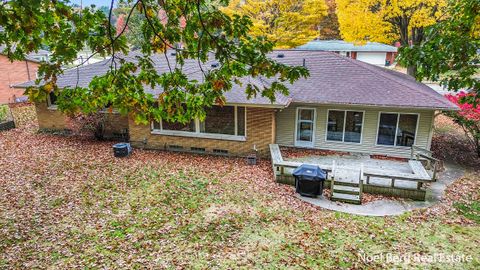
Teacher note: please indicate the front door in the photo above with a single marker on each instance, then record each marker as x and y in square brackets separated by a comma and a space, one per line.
[305, 127]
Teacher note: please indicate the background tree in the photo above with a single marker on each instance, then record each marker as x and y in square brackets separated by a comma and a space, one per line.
[204, 32]
[387, 21]
[133, 32]
[288, 23]
[105, 10]
[329, 27]
[450, 52]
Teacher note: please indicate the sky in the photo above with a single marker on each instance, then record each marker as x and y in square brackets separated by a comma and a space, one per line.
[97, 3]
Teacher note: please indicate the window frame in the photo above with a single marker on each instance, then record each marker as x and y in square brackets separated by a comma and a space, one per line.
[51, 106]
[198, 134]
[396, 130]
[344, 122]
[314, 127]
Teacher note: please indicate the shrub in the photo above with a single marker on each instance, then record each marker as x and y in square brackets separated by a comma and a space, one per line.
[90, 125]
[468, 117]
[3, 113]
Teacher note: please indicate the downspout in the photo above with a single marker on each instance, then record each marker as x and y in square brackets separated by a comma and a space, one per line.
[28, 70]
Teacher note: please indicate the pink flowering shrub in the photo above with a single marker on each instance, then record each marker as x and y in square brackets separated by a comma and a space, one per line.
[468, 117]
[467, 110]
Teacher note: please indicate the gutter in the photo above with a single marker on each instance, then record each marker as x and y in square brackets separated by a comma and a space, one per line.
[273, 106]
[454, 108]
[19, 86]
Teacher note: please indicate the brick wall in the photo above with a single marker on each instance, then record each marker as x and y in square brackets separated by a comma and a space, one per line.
[391, 57]
[260, 132]
[14, 73]
[55, 120]
[115, 124]
[48, 118]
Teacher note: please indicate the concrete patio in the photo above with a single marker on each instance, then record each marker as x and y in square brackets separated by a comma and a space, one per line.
[351, 174]
[348, 168]
[386, 207]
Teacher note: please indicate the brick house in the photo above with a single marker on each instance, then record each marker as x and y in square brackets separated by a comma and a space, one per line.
[345, 105]
[12, 73]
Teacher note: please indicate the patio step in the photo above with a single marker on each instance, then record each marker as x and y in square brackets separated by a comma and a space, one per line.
[346, 189]
[347, 184]
[348, 198]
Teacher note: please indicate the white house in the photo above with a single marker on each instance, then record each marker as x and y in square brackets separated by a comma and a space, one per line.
[372, 52]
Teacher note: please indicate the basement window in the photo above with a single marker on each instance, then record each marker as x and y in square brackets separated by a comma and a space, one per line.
[197, 149]
[175, 147]
[220, 151]
[52, 100]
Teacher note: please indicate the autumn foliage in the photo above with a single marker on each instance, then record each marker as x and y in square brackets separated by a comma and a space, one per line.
[288, 23]
[468, 117]
[387, 21]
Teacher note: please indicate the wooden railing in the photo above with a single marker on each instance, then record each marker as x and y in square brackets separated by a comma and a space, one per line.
[433, 164]
[280, 165]
[282, 172]
[360, 183]
[395, 176]
[332, 177]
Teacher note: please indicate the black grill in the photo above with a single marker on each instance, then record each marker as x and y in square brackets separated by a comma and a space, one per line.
[309, 180]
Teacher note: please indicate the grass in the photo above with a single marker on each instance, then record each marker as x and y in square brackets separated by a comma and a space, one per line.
[67, 204]
[470, 210]
[154, 218]
[3, 113]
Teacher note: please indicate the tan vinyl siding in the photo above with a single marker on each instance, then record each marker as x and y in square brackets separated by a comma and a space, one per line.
[285, 133]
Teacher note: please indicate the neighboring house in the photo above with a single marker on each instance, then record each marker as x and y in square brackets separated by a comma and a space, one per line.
[372, 52]
[345, 105]
[15, 72]
[85, 57]
[40, 55]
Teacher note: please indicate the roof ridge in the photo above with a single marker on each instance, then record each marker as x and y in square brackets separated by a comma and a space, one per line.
[88, 65]
[379, 71]
[72, 69]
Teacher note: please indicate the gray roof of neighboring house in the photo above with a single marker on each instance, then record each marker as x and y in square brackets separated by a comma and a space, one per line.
[333, 80]
[340, 45]
[33, 56]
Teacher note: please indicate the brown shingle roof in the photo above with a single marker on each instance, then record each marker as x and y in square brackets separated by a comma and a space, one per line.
[333, 80]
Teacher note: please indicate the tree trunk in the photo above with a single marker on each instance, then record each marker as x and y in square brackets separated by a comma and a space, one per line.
[412, 70]
[477, 146]
[405, 41]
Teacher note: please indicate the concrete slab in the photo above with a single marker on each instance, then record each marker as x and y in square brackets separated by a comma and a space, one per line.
[385, 207]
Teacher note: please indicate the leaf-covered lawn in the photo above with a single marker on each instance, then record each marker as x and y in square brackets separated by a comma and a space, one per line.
[67, 203]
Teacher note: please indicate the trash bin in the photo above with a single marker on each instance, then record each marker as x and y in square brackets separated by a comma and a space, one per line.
[252, 159]
[309, 180]
[122, 149]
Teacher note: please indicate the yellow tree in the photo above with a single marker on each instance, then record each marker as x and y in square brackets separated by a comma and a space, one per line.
[287, 22]
[388, 20]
